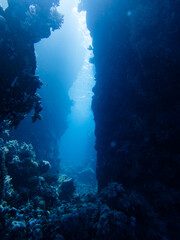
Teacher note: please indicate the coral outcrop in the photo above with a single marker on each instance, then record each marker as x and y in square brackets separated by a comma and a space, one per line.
[22, 176]
[22, 24]
[38, 205]
[114, 214]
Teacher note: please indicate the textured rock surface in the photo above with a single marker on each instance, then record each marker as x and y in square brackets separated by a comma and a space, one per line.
[136, 99]
[23, 177]
[21, 25]
[36, 205]
[91, 217]
[66, 188]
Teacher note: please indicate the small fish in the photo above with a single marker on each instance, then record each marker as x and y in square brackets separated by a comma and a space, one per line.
[46, 85]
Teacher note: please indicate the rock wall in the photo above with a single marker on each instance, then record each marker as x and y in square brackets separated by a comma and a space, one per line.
[21, 25]
[136, 99]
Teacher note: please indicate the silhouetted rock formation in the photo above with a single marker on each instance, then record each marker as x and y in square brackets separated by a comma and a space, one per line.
[22, 24]
[137, 59]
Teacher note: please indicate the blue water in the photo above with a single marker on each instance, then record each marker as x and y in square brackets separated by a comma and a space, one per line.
[4, 4]
[67, 66]
[77, 144]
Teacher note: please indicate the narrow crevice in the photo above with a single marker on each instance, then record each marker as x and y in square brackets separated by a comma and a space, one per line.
[77, 153]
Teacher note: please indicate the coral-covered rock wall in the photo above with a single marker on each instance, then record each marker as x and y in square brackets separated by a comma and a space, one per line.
[22, 24]
[136, 99]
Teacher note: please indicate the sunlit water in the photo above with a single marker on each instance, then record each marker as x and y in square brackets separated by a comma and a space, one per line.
[4, 4]
[77, 144]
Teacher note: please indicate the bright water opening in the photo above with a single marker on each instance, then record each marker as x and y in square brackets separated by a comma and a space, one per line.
[4, 4]
[77, 144]
[63, 63]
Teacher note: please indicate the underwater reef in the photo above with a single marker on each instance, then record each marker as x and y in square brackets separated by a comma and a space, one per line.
[36, 205]
[22, 24]
[135, 105]
[39, 205]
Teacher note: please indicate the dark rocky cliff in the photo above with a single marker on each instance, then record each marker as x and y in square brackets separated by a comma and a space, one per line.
[21, 25]
[136, 100]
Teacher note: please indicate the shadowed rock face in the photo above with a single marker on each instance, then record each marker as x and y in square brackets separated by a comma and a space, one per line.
[21, 25]
[136, 97]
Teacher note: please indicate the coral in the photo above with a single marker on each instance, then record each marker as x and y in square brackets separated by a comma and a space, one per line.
[88, 217]
[66, 188]
[3, 170]
[18, 161]
[18, 225]
[44, 166]
[18, 33]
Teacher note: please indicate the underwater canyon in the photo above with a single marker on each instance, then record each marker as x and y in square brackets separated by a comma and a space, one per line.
[135, 105]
